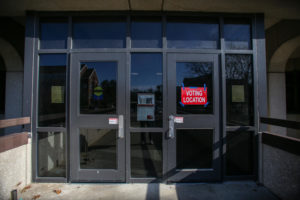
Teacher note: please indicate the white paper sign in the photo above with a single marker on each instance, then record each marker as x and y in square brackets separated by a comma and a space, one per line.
[178, 120]
[112, 120]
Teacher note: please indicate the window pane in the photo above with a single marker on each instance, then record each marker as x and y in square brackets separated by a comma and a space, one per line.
[146, 33]
[194, 74]
[239, 153]
[194, 148]
[99, 33]
[146, 90]
[53, 34]
[51, 154]
[146, 155]
[193, 33]
[237, 34]
[239, 90]
[52, 90]
[98, 87]
[98, 148]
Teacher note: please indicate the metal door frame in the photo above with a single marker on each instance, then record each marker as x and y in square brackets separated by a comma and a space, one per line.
[95, 121]
[203, 121]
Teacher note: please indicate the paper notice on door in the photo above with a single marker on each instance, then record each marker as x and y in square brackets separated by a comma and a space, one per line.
[112, 120]
[238, 93]
[57, 94]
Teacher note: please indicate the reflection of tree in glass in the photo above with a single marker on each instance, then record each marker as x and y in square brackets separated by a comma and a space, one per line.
[239, 67]
[199, 68]
[109, 93]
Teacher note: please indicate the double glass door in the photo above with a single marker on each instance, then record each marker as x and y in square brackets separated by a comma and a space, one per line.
[144, 121]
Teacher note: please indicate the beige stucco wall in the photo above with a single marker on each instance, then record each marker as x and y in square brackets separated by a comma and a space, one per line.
[15, 167]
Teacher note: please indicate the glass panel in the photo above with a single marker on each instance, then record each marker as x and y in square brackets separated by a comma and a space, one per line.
[51, 154]
[98, 148]
[99, 33]
[146, 90]
[52, 90]
[146, 33]
[146, 155]
[53, 33]
[194, 148]
[193, 33]
[98, 87]
[239, 153]
[193, 75]
[239, 90]
[237, 34]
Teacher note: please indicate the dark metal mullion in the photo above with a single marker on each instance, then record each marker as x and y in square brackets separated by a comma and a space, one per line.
[235, 51]
[165, 100]
[35, 100]
[51, 129]
[53, 51]
[99, 50]
[255, 100]
[146, 130]
[67, 134]
[223, 100]
[127, 163]
[240, 128]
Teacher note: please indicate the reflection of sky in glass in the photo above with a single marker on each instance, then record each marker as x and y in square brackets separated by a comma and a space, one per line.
[105, 70]
[53, 59]
[186, 70]
[146, 71]
[53, 35]
[146, 34]
[192, 35]
[237, 32]
[237, 35]
[99, 34]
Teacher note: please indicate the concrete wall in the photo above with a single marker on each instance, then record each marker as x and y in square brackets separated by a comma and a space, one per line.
[281, 172]
[15, 167]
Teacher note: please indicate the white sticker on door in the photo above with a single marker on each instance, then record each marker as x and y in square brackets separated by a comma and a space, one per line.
[112, 120]
[178, 120]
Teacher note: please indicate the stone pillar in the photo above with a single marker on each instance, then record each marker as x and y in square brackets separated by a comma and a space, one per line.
[277, 99]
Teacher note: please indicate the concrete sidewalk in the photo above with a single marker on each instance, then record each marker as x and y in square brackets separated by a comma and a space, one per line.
[227, 190]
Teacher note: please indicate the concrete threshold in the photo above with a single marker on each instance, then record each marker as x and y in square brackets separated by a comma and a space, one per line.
[184, 191]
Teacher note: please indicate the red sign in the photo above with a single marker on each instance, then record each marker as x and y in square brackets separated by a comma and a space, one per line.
[194, 95]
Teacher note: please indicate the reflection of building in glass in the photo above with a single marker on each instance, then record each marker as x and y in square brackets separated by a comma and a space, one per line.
[88, 81]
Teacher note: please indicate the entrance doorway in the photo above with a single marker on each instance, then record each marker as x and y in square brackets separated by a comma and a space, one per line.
[142, 123]
[97, 108]
[194, 118]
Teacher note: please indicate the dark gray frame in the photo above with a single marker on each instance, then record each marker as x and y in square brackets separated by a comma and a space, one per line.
[259, 77]
[194, 121]
[100, 121]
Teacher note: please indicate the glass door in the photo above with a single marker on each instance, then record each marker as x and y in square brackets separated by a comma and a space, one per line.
[194, 118]
[97, 110]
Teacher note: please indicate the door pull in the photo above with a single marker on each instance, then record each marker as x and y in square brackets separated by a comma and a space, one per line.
[171, 133]
[121, 127]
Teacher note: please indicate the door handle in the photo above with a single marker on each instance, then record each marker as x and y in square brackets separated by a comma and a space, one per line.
[121, 127]
[171, 133]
